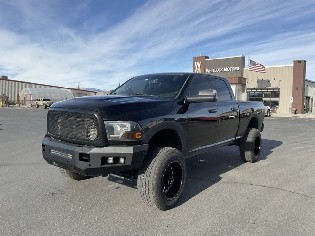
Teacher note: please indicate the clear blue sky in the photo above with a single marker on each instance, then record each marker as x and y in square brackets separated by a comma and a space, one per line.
[101, 43]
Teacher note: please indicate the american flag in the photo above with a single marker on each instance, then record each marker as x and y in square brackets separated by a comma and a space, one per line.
[254, 66]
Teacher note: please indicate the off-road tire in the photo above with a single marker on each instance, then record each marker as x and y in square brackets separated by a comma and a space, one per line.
[250, 145]
[73, 175]
[161, 179]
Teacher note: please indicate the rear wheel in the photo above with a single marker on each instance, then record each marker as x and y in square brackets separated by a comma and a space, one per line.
[37, 106]
[73, 175]
[250, 145]
[161, 180]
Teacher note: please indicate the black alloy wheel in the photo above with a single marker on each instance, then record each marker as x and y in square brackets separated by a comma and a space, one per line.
[172, 180]
[257, 146]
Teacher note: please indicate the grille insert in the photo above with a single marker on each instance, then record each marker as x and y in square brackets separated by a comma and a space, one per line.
[73, 126]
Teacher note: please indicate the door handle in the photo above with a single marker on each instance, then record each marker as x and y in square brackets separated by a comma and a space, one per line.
[213, 110]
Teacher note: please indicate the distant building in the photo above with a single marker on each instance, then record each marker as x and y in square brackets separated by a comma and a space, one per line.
[284, 88]
[11, 90]
[28, 96]
[102, 93]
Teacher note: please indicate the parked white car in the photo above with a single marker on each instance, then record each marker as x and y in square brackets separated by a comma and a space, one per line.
[45, 102]
[267, 111]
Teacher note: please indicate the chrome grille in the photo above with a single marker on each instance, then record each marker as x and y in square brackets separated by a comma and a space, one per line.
[75, 127]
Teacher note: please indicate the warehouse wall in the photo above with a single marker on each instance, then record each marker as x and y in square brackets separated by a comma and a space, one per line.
[279, 77]
[12, 89]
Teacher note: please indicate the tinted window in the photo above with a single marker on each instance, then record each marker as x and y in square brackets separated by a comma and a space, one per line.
[198, 83]
[222, 89]
[163, 85]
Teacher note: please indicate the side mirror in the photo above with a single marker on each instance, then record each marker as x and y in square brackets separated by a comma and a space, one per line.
[205, 95]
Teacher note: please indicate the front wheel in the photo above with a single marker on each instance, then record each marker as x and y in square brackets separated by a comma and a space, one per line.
[162, 178]
[250, 145]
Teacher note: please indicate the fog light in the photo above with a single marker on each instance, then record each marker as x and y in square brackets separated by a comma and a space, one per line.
[84, 157]
[121, 160]
[110, 160]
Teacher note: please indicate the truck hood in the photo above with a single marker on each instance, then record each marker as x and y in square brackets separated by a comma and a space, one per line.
[117, 107]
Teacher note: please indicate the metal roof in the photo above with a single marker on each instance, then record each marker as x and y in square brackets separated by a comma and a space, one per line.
[55, 94]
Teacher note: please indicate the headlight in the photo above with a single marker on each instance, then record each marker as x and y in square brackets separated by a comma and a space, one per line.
[123, 130]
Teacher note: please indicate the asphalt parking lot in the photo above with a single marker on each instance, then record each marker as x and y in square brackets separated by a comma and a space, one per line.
[222, 196]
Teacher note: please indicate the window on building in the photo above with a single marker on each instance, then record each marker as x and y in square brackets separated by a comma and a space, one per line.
[275, 94]
[268, 97]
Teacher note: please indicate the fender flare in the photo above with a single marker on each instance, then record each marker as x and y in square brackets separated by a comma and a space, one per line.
[167, 125]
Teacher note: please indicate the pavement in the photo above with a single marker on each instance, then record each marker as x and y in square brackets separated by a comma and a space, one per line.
[307, 115]
[222, 195]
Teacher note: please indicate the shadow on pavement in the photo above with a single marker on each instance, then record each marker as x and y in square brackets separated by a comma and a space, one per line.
[132, 183]
[267, 147]
[206, 170]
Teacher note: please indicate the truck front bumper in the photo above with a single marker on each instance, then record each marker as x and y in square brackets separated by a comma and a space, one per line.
[93, 161]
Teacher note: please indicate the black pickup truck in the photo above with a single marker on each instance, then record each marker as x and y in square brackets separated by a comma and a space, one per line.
[147, 127]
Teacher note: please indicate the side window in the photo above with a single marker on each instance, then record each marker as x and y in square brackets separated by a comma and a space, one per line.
[222, 89]
[198, 83]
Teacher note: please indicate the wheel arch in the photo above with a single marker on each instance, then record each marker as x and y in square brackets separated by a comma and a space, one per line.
[166, 138]
[253, 123]
[167, 134]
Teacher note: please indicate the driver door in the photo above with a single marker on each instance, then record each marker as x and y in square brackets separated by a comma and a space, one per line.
[202, 117]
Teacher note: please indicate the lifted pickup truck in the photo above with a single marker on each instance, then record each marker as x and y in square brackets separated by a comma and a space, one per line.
[147, 127]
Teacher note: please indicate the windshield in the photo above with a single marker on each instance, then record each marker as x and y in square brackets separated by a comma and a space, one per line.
[153, 85]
